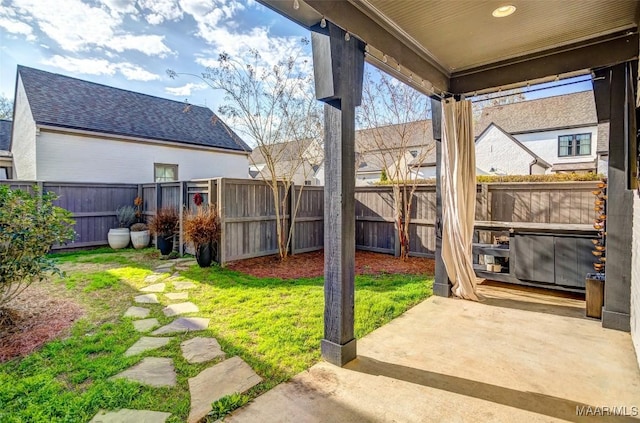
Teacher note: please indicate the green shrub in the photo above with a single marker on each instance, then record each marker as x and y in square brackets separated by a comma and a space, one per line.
[29, 225]
[487, 179]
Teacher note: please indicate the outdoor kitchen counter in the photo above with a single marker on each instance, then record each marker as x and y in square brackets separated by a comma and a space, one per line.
[550, 255]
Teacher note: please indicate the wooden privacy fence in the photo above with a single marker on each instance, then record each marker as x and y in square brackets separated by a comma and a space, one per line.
[248, 222]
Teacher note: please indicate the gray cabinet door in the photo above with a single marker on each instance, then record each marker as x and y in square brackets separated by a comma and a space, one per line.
[534, 258]
[573, 261]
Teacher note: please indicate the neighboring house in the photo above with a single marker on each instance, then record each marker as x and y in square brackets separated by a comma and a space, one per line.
[299, 162]
[559, 133]
[67, 130]
[404, 151]
[499, 153]
[6, 161]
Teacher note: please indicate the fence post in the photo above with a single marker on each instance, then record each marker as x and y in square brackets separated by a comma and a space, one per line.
[220, 199]
[292, 224]
[397, 214]
[157, 201]
[182, 206]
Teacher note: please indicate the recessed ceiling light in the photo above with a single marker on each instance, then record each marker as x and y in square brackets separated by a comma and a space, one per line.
[503, 11]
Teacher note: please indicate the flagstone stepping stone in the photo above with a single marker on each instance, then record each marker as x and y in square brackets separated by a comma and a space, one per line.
[155, 277]
[145, 325]
[183, 324]
[177, 295]
[185, 261]
[180, 286]
[147, 299]
[180, 308]
[200, 350]
[146, 343]
[153, 371]
[230, 376]
[130, 416]
[158, 287]
[163, 270]
[137, 312]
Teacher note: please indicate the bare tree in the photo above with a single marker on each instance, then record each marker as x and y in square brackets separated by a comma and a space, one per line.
[6, 108]
[396, 139]
[275, 108]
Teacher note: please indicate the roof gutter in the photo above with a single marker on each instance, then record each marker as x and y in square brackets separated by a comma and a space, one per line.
[126, 138]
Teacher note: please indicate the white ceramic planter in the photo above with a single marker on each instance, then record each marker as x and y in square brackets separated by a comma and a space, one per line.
[118, 238]
[140, 239]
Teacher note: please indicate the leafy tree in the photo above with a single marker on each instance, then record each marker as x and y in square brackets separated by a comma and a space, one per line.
[275, 108]
[395, 139]
[29, 225]
[6, 108]
[383, 176]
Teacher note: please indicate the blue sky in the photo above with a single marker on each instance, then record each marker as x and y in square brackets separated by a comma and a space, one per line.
[131, 43]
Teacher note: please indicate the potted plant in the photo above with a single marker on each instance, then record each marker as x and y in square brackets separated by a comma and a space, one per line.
[140, 236]
[202, 228]
[119, 237]
[164, 225]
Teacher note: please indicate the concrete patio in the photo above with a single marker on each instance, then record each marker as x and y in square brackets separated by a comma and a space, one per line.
[521, 355]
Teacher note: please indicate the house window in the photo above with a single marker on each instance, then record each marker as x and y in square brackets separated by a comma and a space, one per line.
[165, 172]
[574, 145]
[307, 182]
[5, 173]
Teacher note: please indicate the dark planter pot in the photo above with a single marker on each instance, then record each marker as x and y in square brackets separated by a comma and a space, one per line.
[204, 255]
[165, 245]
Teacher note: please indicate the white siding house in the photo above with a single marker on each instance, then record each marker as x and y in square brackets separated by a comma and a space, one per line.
[69, 130]
[561, 130]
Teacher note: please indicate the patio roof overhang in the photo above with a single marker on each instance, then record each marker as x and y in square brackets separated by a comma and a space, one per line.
[460, 48]
[446, 48]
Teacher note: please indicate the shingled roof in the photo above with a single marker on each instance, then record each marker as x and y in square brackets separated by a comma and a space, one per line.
[67, 102]
[5, 134]
[562, 111]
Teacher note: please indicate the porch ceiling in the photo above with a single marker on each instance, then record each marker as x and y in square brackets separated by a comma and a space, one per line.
[458, 46]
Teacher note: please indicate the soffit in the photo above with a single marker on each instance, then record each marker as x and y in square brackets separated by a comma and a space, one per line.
[462, 34]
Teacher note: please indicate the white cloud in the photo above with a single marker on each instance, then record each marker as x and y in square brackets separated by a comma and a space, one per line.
[83, 66]
[272, 49]
[186, 89]
[151, 45]
[136, 73]
[14, 26]
[161, 10]
[77, 26]
[208, 14]
[100, 67]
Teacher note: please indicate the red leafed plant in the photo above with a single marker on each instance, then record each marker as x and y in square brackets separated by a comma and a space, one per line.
[197, 199]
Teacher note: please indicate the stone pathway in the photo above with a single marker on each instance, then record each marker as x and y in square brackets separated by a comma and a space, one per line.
[146, 343]
[201, 350]
[224, 378]
[147, 299]
[232, 375]
[177, 295]
[180, 308]
[158, 287]
[183, 324]
[145, 325]
[153, 371]
[137, 312]
[181, 286]
[130, 416]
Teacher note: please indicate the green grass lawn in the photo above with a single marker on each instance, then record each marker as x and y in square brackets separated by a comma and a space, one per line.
[274, 325]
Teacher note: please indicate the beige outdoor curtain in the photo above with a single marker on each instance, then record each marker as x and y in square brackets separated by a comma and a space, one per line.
[458, 182]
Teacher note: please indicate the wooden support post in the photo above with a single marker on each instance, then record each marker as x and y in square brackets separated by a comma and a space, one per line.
[441, 285]
[338, 69]
[157, 202]
[616, 90]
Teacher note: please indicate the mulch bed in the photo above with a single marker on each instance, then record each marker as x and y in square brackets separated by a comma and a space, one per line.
[35, 318]
[310, 265]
